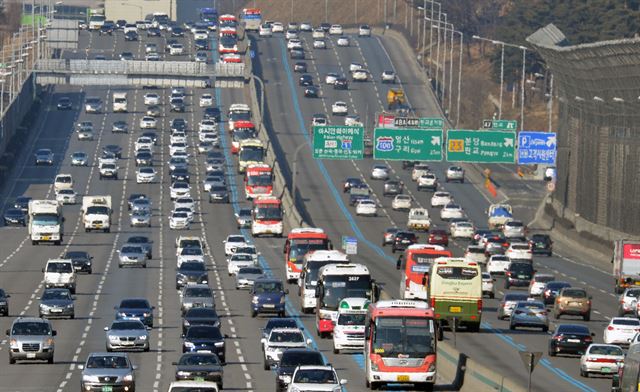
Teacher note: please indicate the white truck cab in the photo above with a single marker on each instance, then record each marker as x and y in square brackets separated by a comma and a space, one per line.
[348, 333]
[308, 280]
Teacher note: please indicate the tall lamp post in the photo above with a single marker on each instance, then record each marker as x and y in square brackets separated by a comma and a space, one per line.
[450, 28]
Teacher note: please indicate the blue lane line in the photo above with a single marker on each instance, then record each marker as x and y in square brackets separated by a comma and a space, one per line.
[291, 310]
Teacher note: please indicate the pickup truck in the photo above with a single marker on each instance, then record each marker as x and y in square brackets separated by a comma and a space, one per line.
[418, 219]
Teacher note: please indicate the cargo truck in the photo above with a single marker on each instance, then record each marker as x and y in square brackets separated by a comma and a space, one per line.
[96, 213]
[499, 214]
[119, 101]
[626, 264]
[45, 221]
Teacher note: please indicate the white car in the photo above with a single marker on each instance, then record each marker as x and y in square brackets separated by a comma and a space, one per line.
[331, 78]
[151, 48]
[291, 34]
[189, 211]
[143, 142]
[487, 285]
[207, 126]
[361, 75]
[315, 378]
[364, 31]
[388, 77]
[210, 137]
[317, 34]
[355, 67]
[148, 122]
[151, 99]
[621, 330]
[475, 253]
[190, 253]
[249, 250]
[441, 199]
[519, 251]
[380, 171]
[427, 181]
[306, 26]
[319, 44]
[462, 230]
[335, 29]
[514, 228]
[145, 175]
[265, 30]
[176, 49]
[401, 202]
[339, 108]
[294, 43]
[419, 170]
[366, 207]
[179, 189]
[343, 41]
[206, 100]
[177, 147]
[601, 359]
[277, 27]
[67, 196]
[538, 283]
[498, 264]
[178, 137]
[200, 34]
[232, 242]
[237, 261]
[455, 173]
[628, 301]
[451, 211]
[152, 56]
[179, 221]
[187, 202]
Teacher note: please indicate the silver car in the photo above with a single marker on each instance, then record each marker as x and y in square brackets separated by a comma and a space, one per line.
[508, 303]
[79, 158]
[108, 372]
[31, 339]
[196, 296]
[57, 303]
[380, 172]
[246, 276]
[140, 218]
[132, 255]
[243, 218]
[127, 335]
[529, 314]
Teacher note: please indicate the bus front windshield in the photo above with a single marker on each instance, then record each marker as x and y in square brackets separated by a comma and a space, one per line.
[252, 154]
[339, 287]
[268, 213]
[259, 180]
[408, 337]
[299, 248]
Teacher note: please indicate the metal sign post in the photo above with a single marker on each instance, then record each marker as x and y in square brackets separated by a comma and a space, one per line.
[530, 360]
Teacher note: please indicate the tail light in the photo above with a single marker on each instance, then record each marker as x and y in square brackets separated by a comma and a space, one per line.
[479, 305]
[433, 302]
[558, 338]
[588, 339]
[610, 328]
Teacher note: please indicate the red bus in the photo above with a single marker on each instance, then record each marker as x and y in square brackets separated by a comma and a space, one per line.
[258, 181]
[415, 267]
[267, 216]
[301, 241]
[251, 18]
[400, 344]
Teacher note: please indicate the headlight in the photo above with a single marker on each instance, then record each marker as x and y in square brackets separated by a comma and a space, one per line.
[13, 343]
[337, 389]
[142, 337]
[90, 379]
[186, 322]
[122, 314]
[113, 338]
[286, 379]
[255, 300]
[43, 306]
[146, 314]
[294, 389]
[189, 344]
[183, 374]
[219, 344]
[49, 342]
[128, 377]
[69, 306]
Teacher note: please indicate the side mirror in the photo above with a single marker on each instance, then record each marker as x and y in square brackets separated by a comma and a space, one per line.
[43, 270]
[263, 340]
[134, 367]
[115, 308]
[182, 335]
[54, 333]
[106, 328]
[286, 291]
[153, 307]
[8, 295]
[7, 332]
[80, 367]
[309, 341]
[226, 336]
[174, 363]
[343, 381]
[593, 334]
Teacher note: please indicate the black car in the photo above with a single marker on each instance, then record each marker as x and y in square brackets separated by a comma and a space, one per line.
[311, 92]
[325, 27]
[212, 114]
[22, 203]
[64, 103]
[290, 360]
[177, 31]
[296, 54]
[142, 241]
[201, 44]
[120, 126]
[82, 261]
[127, 56]
[392, 188]
[351, 182]
[200, 366]
[120, 23]
[144, 158]
[177, 105]
[4, 303]
[305, 80]
[114, 149]
[107, 28]
[204, 338]
[200, 316]
[551, 290]
[570, 339]
[15, 216]
[178, 124]
[341, 84]
[218, 194]
[191, 272]
[402, 240]
[153, 32]
[300, 66]
[151, 135]
[180, 174]
[169, 43]
[354, 198]
[409, 164]
[518, 274]
[541, 244]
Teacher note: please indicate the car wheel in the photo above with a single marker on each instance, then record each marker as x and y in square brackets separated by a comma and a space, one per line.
[584, 373]
[545, 329]
[587, 317]
[556, 315]
[552, 353]
[512, 327]
[12, 360]
[254, 313]
[50, 360]
[72, 316]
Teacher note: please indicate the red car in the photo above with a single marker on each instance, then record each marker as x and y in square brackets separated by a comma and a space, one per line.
[438, 237]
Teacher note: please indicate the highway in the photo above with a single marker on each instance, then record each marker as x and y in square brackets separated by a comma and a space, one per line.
[319, 183]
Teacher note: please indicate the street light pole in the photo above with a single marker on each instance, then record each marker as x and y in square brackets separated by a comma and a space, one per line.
[450, 69]
[524, 60]
[501, 82]
[294, 175]
[459, 82]
[550, 103]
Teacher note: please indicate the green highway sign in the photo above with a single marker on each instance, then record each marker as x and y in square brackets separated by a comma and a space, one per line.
[503, 125]
[418, 122]
[481, 146]
[338, 142]
[407, 144]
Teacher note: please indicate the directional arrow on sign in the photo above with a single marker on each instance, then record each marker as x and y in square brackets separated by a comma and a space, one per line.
[435, 140]
[508, 142]
[551, 141]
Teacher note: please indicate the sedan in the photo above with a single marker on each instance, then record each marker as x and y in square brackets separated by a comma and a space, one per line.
[341, 84]
[367, 207]
[364, 31]
[244, 218]
[218, 194]
[107, 372]
[82, 261]
[441, 199]
[237, 261]
[300, 66]
[119, 127]
[79, 158]
[388, 77]
[335, 29]
[604, 359]
[145, 175]
[529, 314]
[200, 316]
[570, 339]
[151, 99]
[305, 80]
[67, 196]
[148, 122]
[191, 272]
[140, 218]
[392, 188]
[621, 330]
[204, 338]
[196, 296]
[144, 242]
[44, 156]
[451, 211]
[498, 264]
[180, 174]
[319, 44]
[380, 172]
[401, 203]
[438, 237]
[64, 103]
[127, 335]
[153, 111]
[179, 189]
[462, 230]
[144, 158]
[179, 221]
[113, 148]
[330, 78]
[57, 303]
[294, 43]
[343, 41]
[200, 366]
[508, 303]
[15, 216]
[135, 309]
[206, 100]
[296, 54]
[311, 92]
[132, 255]
[246, 276]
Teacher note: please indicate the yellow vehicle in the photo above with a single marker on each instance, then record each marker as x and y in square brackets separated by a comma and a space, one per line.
[395, 98]
[252, 152]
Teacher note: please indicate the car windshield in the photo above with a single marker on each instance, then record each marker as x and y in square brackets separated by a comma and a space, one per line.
[315, 376]
[138, 240]
[515, 297]
[191, 266]
[633, 293]
[131, 249]
[60, 268]
[286, 337]
[572, 329]
[107, 362]
[293, 358]
[134, 304]
[203, 332]
[625, 321]
[250, 271]
[31, 328]
[55, 294]
[199, 360]
[191, 251]
[126, 325]
[267, 287]
[574, 293]
[201, 313]
[351, 319]
[244, 213]
[605, 350]
[45, 220]
[201, 292]
[235, 238]
[544, 279]
[531, 305]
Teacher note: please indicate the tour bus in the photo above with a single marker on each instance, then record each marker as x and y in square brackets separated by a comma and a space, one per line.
[415, 266]
[251, 19]
[258, 181]
[308, 280]
[251, 152]
[336, 282]
[455, 292]
[299, 242]
[348, 333]
[400, 344]
[266, 216]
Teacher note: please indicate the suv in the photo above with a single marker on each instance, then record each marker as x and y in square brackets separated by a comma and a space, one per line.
[280, 340]
[60, 273]
[541, 244]
[108, 372]
[518, 274]
[574, 301]
[392, 188]
[31, 338]
[402, 240]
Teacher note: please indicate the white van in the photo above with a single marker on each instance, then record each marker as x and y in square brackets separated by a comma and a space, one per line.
[60, 273]
[62, 181]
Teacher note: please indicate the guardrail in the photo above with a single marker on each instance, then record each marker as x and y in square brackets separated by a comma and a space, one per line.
[134, 67]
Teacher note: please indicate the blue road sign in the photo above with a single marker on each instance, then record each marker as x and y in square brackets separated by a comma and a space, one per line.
[537, 147]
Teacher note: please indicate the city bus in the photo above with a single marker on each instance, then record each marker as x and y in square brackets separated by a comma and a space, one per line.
[299, 242]
[266, 216]
[416, 264]
[251, 19]
[455, 292]
[308, 280]
[258, 181]
[336, 282]
[251, 152]
[400, 344]
[227, 24]
[242, 130]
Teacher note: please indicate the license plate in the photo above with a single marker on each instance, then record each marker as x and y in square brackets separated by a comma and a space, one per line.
[605, 370]
[107, 388]
[56, 310]
[574, 304]
[402, 378]
[638, 283]
[269, 306]
[573, 340]
[31, 355]
[127, 343]
[198, 379]
[45, 238]
[522, 277]
[454, 309]
[205, 351]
